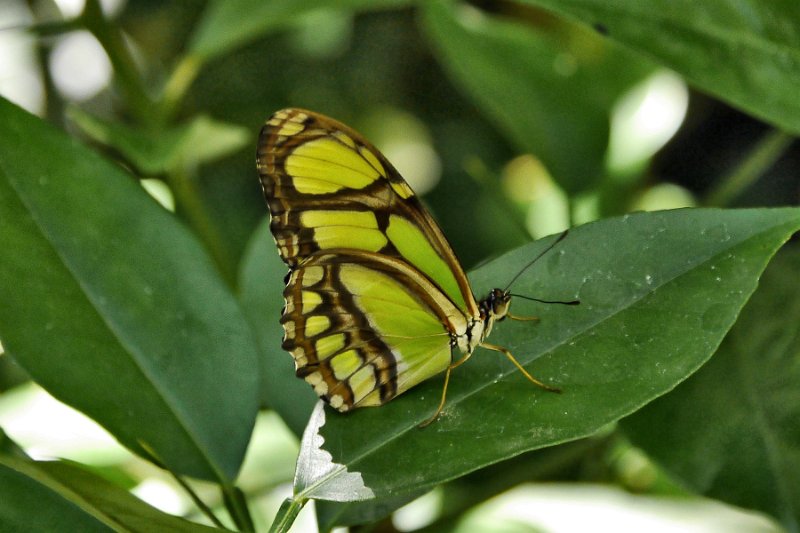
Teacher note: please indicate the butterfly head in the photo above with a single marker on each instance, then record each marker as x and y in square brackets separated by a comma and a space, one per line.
[496, 305]
[493, 308]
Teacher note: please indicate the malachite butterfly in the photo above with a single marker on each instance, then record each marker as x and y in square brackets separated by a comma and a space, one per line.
[375, 300]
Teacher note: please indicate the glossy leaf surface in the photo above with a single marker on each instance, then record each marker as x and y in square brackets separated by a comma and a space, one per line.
[658, 293]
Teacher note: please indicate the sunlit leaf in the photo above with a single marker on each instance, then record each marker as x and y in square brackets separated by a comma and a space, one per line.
[152, 153]
[10, 448]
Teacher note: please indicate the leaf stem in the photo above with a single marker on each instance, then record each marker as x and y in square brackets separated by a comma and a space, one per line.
[182, 77]
[124, 65]
[287, 514]
[59, 27]
[200, 504]
[236, 504]
[571, 211]
[489, 185]
[766, 152]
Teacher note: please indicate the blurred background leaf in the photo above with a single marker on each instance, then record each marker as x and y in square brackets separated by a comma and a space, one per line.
[261, 295]
[746, 53]
[156, 153]
[539, 84]
[227, 24]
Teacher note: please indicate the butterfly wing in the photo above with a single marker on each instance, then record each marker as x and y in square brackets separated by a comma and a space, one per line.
[364, 327]
[327, 187]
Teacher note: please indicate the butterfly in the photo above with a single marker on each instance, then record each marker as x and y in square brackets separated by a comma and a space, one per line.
[375, 299]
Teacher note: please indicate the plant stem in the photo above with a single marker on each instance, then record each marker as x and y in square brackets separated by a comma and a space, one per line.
[759, 160]
[49, 29]
[490, 185]
[200, 504]
[236, 504]
[571, 212]
[286, 516]
[125, 70]
[178, 84]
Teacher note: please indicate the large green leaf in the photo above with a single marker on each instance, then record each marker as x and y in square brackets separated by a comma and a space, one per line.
[731, 431]
[261, 293]
[560, 114]
[55, 496]
[462, 494]
[658, 293]
[9, 447]
[346, 514]
[746, 52]
[227, 24]
[112, 306]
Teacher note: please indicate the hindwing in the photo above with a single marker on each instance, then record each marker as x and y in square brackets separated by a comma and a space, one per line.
[364, 327]
[327, 188]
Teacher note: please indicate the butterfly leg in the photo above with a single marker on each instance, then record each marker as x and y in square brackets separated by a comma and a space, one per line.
[519, 366]
[444, 389]
[523, 318]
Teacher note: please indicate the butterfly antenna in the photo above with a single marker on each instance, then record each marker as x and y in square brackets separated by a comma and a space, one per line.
[526, 267]
[562, 302]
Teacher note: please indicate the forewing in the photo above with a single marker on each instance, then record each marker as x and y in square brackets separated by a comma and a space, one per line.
[327, 187]
[363, 327]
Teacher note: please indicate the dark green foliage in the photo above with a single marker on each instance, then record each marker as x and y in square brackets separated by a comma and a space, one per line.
[163, 327]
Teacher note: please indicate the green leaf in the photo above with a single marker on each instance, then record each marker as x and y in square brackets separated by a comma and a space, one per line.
[511, 71]
[745, 52]
[112, 306]
[460, 495]
[158, 152]
[658, 293]
[261, 296]
[56, 496]
[345, 514]
[730, 431]
[9, 447]
[228, 24]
